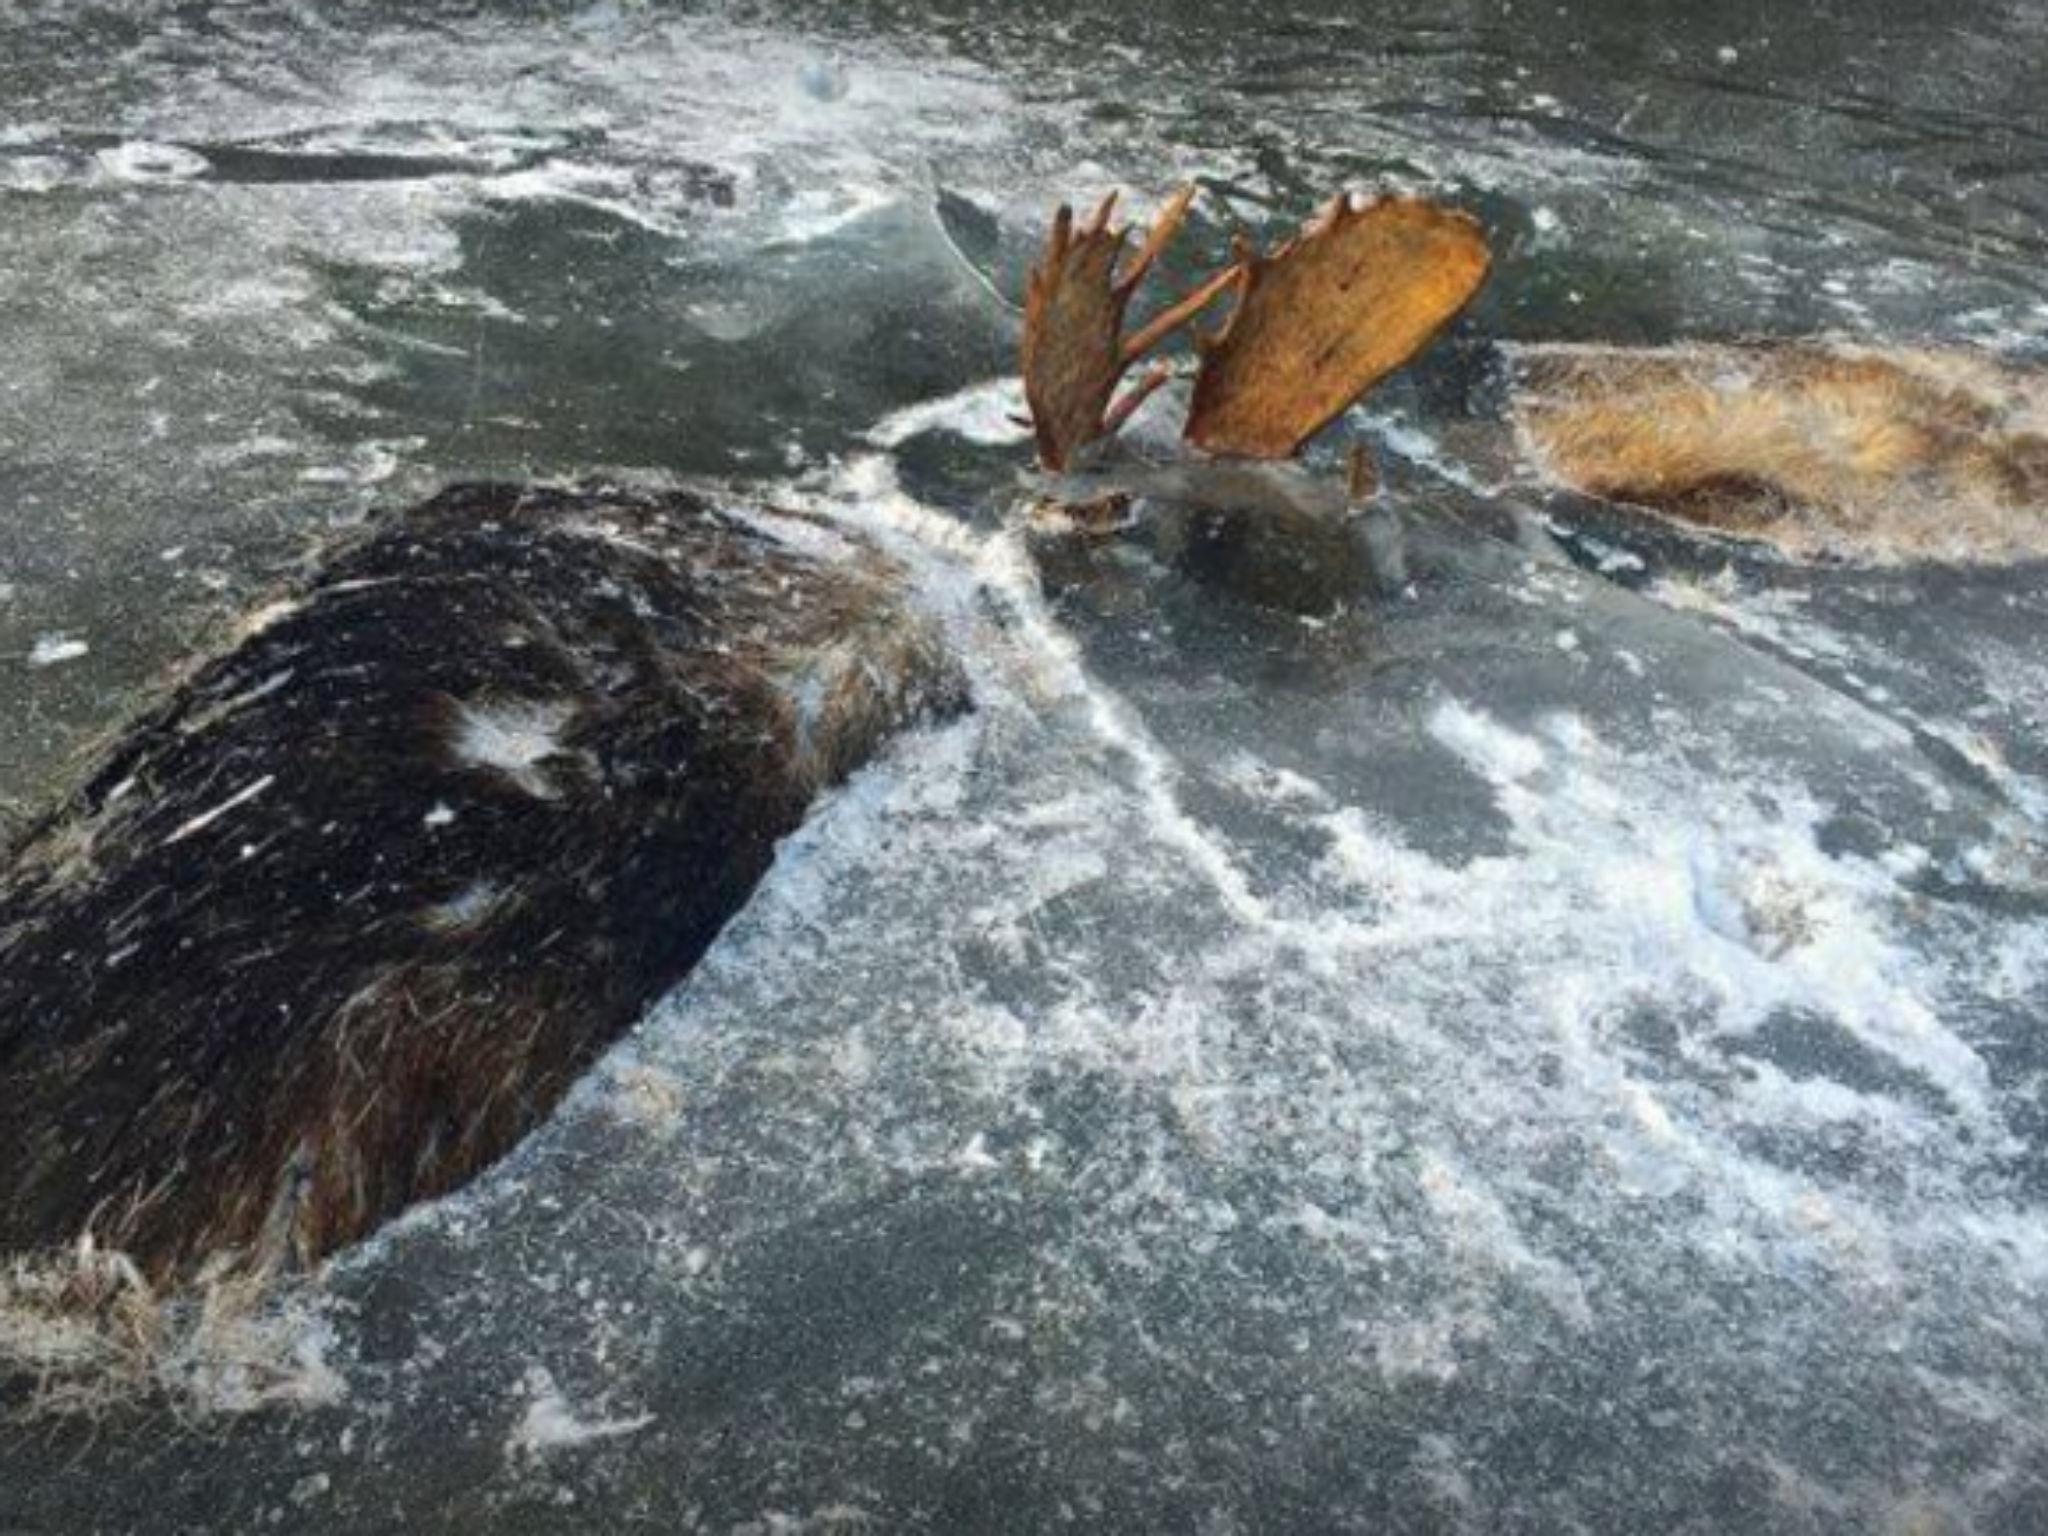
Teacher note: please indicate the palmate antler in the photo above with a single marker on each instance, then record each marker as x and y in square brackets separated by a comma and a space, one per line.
[1363, 288]
[1075, 351]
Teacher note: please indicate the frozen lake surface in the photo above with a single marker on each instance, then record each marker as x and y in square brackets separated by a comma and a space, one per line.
[1546, 1037]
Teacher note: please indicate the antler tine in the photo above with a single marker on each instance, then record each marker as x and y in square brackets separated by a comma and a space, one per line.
[1361, 475]
[1061, 235]
[1242, 272]
[1127, 405]
[1167, 321]
[1099, 220]
[1164, 228]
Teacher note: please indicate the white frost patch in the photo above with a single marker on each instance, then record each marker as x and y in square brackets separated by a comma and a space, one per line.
[1983, 752]
[1775, 616]
[144, 160]
[817, 540]
[466, 908]
[636, 1093]
[252, 624]
[1279, 786]
[1479, 1229]
[551, 1423]
[981, 413]
[1406, 439]
[34, 173]
[49, 650]
[1723, 891]
[605, 531]
[370, 463]
[1484, 744]
[514, 737]
[275, 1356]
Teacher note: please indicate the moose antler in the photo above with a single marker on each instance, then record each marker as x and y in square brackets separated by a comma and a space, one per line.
[1363, 288]
[1075, 353]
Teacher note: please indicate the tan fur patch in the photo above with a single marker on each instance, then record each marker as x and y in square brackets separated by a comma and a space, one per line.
[1822, 450]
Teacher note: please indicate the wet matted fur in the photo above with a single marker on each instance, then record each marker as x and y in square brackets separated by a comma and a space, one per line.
[1821, 448]
[332, 928]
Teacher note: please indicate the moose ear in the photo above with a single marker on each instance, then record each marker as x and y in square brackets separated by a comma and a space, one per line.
[1320, 321]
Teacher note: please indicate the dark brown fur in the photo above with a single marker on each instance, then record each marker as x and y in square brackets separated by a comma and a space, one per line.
[330, 930]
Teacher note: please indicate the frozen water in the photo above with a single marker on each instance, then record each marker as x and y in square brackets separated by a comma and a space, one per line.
[515, 737]
[49, 650]
[1378, 1067]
